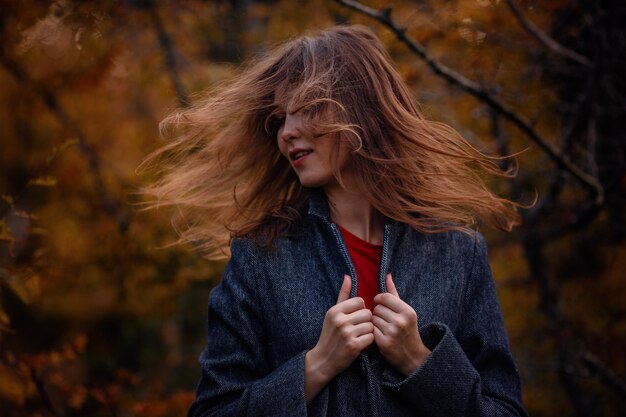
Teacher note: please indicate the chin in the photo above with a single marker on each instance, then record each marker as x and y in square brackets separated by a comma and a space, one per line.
[316, 182]
[310, 181]
[311, 184]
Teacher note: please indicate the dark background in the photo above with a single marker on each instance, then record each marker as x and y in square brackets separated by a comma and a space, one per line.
[98, 318]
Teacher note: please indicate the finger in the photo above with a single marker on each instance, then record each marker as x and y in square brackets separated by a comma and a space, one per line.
[379, 336]
[390, 301]
[361, 315]
[350, 305]
[381, 325]
[384, 313]
[363, 328]
[344, 292]
[364, 340]
[391, 287]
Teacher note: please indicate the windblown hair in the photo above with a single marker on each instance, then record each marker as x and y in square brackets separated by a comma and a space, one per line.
[224, 174]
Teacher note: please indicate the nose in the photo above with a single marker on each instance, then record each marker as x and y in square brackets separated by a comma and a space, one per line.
[290, 129]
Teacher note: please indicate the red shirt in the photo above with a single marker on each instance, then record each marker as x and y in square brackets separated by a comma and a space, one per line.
[366, 258]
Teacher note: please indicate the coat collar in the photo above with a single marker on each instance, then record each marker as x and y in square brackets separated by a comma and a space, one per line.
[318, 205]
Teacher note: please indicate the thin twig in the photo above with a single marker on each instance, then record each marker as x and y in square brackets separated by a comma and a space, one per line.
[43, 393]
[482, 94]
[584, 215]
[50, 100]
[606, 375]
[545, 39]
[167, 46]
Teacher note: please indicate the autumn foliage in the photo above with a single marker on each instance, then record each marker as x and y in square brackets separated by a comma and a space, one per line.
[98, 316]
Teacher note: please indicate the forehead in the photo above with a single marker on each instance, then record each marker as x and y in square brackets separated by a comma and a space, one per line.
[295, 98]
[284, 96]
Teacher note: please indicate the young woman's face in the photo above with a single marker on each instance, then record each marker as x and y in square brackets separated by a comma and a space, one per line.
[311, 158]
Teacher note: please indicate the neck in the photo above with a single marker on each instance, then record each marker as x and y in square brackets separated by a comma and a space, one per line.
[352, 211]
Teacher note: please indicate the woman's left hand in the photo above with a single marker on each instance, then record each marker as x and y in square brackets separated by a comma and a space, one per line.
[396, 332]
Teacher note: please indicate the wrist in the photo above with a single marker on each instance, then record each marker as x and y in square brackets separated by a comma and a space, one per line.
[417, 360]
[315, 375]
[312, 364]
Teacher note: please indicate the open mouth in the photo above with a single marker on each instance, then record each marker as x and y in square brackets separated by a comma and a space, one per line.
[297, 154]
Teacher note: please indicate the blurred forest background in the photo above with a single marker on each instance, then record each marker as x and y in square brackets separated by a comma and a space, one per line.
[98, 319]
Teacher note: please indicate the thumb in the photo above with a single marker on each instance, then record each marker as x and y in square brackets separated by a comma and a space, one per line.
[391, 287]
[344, 292]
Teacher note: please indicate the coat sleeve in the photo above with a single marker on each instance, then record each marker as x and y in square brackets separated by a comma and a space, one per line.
[236, 378]
[470, 373]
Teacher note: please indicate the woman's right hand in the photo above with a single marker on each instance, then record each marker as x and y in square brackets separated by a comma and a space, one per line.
[346, 332]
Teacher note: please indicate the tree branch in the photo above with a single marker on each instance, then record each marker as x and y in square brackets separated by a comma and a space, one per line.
[43, 393]
[165, 41]
[562, 161]
[50, 100]
[607, 376]
[550, 305]
[545, 39]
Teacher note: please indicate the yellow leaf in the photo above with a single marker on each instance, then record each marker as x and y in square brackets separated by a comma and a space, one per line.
[5, 320]
[12, 388]
[67, 144]
[38, 231]
[25, 286]
[25, 214]
[58, 149]
[5, 232]
[78, 397]
[9, 199]
[43, 181]
[55, 358]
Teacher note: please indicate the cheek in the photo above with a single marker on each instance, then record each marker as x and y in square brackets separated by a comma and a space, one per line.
[282, 147]
[344, 156]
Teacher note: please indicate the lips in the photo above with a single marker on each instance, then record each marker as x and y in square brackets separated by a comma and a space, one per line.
[298, 153]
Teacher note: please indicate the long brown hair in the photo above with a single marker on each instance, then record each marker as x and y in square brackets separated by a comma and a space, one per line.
[225, 176]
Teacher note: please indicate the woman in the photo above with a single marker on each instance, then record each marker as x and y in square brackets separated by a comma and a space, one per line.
[355, 285]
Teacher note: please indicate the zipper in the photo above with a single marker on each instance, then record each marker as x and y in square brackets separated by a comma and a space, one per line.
[384, 259]
[366, 362]
[384, 264]
[344, 252]
[346, 258]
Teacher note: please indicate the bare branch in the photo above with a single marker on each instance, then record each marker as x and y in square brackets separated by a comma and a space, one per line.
[43, 393]
[167, 46]
[583, 217]
[50, 100]
[562, 161]
[606, 375]
[558, 326]
[545, 39]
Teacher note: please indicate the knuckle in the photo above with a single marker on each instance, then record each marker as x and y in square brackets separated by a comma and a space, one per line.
[337, 321]
[352, 346]
[384, 343]
[412, 316]
[334, 308]
[345, 332]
